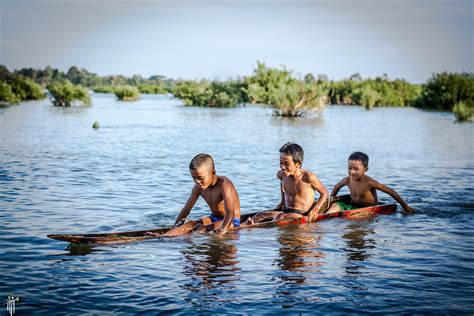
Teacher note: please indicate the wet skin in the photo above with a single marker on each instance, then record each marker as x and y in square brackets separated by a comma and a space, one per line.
[219, 194]
[297, 192]
[363, 188]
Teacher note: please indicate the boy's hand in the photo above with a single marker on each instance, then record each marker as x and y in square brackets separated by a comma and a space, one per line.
[409, 210]
[313, 215]
[220, 231]
[181, 222]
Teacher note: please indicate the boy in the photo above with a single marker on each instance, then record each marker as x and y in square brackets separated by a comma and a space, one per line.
[218, 192]
[297, 188]
[363, 188]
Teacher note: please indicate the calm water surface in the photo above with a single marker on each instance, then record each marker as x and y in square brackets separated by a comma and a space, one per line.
[57, 175]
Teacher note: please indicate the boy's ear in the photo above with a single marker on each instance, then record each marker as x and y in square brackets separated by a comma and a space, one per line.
[367, 168]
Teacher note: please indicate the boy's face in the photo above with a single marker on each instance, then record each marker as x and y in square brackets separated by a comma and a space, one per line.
[287, 165]
[202, 176]
[356, 169]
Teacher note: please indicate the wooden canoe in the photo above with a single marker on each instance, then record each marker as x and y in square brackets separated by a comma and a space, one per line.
[139, 235]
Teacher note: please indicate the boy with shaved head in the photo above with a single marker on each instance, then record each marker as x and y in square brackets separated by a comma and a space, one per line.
[218, 192]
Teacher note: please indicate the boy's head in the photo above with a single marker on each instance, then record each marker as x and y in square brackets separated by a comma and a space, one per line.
[358, 164]
[291, 157]
[202, 170]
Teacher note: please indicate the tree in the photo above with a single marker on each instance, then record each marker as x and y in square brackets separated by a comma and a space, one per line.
[65, 94]
[7, 95]
[280, 90]
[443, 91]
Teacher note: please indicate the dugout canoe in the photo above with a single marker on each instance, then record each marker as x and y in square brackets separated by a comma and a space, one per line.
[140, 235]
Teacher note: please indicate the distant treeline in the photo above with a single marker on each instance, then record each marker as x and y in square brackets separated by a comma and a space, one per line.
[276, 87]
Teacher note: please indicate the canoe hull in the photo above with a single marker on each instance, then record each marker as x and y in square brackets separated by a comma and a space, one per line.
[140, 235]
[384, 209]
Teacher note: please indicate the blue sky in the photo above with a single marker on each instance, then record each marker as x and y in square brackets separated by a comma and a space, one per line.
[220, 39]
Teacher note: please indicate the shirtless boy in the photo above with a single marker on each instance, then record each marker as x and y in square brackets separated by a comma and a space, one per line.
[297, 188]
[363, 188]
[218, 192]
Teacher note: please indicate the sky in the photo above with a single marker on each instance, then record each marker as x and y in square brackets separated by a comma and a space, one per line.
[222, 39]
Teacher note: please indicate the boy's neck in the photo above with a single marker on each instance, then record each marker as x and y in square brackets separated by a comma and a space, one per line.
[361, 178]
[296, 173]
[214, 180]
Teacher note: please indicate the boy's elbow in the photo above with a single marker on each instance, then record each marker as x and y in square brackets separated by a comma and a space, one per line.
[324, 193]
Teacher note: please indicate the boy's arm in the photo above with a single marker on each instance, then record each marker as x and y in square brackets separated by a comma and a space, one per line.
[189, 204]
[339, 186]
[281, 205]
[393, 194]
[230, 204]
[318, 186]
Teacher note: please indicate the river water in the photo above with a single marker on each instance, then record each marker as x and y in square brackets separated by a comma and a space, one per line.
[59, 175]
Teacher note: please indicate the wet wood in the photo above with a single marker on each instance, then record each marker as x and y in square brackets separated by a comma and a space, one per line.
[140, 235]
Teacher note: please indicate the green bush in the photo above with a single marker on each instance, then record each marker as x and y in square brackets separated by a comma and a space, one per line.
[22, 88]
[280, 90]
[7, 95]
[103, 89]
[463, 112]
[26, 89]
[65, 93]
[151, 89]
[373, 92]
[443, 91]
[211, 94]
[366, 96]
[127, 93]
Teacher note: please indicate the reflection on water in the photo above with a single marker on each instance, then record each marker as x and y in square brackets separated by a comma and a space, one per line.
[297, 252]
[298, 256]
[210, 268]
[358, 240]
[358, 243]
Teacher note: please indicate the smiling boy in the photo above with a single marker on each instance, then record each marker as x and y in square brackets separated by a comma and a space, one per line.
[363, 188]
[219, 194]
[297, 188]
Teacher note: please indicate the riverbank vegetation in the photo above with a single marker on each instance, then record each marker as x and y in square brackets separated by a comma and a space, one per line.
[279, 88]
[370, 93]
[449, 92]
[66, 94]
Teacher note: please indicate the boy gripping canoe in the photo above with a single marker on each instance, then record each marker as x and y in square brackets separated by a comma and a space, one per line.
[218, 192]
[297, 188]
[363, 188]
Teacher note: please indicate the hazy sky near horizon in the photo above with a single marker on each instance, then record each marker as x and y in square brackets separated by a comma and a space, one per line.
[219, 39]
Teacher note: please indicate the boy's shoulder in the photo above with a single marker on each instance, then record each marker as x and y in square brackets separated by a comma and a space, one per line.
[280, 174]
[365, 180]
[307, 175]
[223, 181]
[345, 180]
[371, 181]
